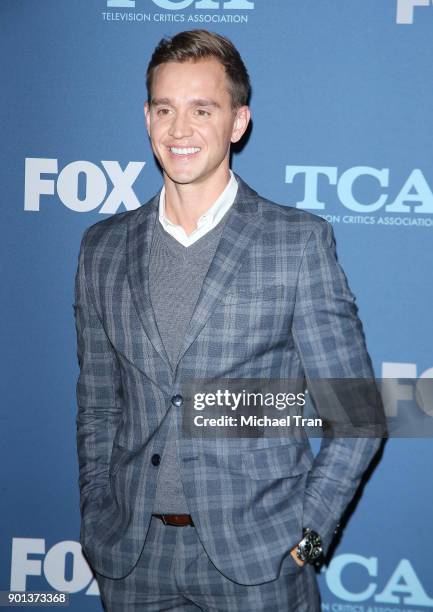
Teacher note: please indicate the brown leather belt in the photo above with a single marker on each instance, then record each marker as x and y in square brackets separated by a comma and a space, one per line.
[179, 520]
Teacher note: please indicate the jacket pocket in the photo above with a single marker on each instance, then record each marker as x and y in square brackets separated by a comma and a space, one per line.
[260, 293]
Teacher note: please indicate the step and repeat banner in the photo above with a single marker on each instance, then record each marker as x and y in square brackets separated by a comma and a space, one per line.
[342, 127]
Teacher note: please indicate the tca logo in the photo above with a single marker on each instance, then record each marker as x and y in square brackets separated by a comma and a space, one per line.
[402, 587]
[415, 193]
[177, 5]
[405, 9]
[63, 566]
[81, 185]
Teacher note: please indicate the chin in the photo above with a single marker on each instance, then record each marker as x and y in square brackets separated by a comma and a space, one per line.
[181, 178]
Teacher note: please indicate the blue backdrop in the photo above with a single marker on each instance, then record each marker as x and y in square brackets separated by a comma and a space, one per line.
[342, 126]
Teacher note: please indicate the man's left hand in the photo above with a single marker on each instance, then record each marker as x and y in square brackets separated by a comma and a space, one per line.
[295, 557]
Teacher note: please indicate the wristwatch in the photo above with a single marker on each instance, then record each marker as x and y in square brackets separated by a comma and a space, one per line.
[310, 547]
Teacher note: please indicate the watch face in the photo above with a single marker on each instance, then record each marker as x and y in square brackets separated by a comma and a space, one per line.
[310, 547]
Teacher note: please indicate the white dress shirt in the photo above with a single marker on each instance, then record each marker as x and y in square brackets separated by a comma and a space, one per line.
[207, 221]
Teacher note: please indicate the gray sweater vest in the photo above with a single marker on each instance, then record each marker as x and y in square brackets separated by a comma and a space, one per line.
[176, 276]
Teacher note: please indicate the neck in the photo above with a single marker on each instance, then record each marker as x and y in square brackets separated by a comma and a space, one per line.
[185, 204]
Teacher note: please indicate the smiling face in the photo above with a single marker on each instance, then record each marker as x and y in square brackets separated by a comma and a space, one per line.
[191, 121]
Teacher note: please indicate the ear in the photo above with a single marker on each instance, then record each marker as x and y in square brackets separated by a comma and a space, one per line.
[147, 116]
[242, 119]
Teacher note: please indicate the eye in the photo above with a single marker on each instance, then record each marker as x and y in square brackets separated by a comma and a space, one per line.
[202, 113]
[161, 112]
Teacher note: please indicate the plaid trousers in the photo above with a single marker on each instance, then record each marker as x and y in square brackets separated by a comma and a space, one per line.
[175, 573]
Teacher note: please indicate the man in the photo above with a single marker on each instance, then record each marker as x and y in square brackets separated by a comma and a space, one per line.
[207, 281]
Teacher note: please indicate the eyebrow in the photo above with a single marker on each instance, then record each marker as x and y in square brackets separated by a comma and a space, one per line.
[193, 102]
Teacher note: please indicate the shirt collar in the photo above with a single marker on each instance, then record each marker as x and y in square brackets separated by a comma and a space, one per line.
[207, 221]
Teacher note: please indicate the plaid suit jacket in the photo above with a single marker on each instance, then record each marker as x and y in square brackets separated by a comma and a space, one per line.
[275, 304]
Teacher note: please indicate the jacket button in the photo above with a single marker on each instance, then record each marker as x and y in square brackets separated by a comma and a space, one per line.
[177, 400]
[156, 459]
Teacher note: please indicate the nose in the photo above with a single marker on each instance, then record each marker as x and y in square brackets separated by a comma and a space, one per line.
[180, 126]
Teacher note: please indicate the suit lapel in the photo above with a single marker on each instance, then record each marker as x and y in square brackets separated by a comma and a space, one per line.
[241, 227]
[140, 232]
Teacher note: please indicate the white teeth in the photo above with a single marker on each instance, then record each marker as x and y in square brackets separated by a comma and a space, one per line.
[184, 151]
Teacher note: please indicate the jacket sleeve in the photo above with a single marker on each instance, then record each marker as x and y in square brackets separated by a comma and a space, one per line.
[99, 393]
[330, 343]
